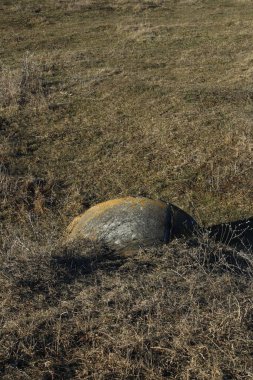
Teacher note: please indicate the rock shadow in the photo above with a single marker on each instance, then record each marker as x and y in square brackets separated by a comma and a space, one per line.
[82, 259]
[238, 234]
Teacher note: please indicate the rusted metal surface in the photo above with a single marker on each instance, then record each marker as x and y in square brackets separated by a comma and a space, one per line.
[131, 222]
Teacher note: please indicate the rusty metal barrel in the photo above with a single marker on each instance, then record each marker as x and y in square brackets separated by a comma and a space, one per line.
[130, 222]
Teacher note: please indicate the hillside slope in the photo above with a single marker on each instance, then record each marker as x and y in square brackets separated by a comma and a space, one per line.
[103, 99]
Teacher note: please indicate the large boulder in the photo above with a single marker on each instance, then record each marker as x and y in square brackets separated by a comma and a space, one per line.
[130, 222]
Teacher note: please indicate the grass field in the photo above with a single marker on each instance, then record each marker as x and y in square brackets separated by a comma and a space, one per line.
[102, 99]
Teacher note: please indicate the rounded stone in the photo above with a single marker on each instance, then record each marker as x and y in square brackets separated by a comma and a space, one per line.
[131, 222]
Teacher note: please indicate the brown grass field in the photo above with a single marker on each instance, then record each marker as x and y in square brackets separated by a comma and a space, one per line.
[106, 98]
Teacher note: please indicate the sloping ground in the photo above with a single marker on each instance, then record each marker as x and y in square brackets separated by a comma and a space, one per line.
[177, 312]
[102, 99]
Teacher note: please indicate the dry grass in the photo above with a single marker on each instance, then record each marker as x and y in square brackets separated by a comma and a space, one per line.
[102, 99]
[83, 312]
[167, 90]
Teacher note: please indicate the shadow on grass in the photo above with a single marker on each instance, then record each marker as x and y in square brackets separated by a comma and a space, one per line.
[58, 371]
[226, 260]
[51, 274]
[72, 262]
[238, 233]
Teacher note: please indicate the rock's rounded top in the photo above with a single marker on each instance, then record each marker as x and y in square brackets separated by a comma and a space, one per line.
[131, 222]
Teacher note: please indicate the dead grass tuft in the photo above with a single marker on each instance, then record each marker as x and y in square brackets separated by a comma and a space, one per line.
[31, 84]
[9, 87]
